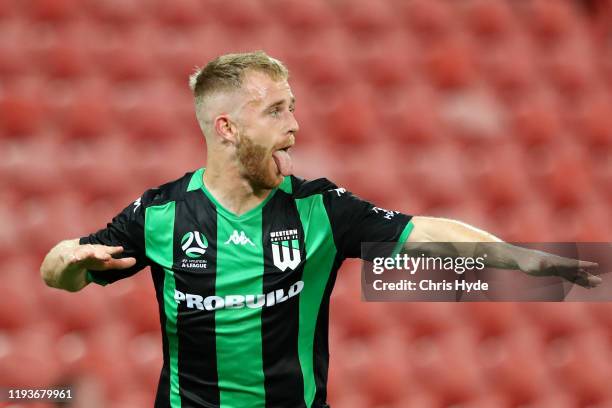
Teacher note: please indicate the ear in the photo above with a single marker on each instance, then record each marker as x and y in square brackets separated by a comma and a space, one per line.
[226, 129]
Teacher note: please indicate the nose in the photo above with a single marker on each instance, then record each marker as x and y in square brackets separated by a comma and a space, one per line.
[294, 126]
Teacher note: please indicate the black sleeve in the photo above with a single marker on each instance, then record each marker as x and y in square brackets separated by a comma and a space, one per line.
[355, 221]
[126, 230]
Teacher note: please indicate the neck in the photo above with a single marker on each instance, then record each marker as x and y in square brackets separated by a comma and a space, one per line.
[236, 194]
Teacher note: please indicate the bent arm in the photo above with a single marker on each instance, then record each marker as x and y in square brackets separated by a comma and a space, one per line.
[65, 266]
[60, 268]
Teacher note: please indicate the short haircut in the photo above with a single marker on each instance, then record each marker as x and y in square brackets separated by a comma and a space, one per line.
[226, 73]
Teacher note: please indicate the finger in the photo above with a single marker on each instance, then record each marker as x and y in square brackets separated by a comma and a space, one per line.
[122, 263]
[101, 254]
[587, 265]
[113, 250]
[585, 279]
[84, 252]
[594, 280]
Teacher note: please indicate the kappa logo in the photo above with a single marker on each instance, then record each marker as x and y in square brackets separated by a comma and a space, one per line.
[194, 244]
[239, 239]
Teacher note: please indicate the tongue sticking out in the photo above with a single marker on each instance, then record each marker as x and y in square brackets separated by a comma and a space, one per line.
[283, 162]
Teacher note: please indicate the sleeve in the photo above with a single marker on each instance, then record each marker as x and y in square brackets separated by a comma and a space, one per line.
[126, 230]
[355, 221]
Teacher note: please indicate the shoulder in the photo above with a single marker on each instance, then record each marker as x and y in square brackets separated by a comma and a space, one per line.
[303, 188]
[174, 190]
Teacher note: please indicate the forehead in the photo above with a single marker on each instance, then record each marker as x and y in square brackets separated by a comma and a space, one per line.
[260, 89]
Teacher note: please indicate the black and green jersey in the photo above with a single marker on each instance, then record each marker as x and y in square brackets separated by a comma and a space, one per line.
[244, 299]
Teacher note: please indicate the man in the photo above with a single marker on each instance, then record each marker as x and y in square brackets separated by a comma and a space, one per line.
[244, 255]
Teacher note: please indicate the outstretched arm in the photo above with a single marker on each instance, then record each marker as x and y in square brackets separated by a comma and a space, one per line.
[65, 266]
[444, 233]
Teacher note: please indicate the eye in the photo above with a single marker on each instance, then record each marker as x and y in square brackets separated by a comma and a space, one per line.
[275, 112]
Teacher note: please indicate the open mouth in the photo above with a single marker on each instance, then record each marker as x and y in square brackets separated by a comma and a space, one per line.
[283, 160]
[285, 149]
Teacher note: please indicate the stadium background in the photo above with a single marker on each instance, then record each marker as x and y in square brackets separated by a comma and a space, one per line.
[498, 113]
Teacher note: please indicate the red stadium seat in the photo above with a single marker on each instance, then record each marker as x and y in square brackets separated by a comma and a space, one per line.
[555, 320]
[64, 52]
[178, 57]
[53, 11]
[594, 122]
[16, 43]
[107, 342]
[140, 397]
[182, 13]
[323, 67]
[384, 379]
[72, 350]
[580, 365]
[556, 398]
[21, 114]
[536, 121]
[450, 65]
[551, 21]
[428, 18]
[147, 113]
[122, 13]
[570, 69]
[500, 182]
[366, 19]
[444, 186]
[531, 221]
[245, 16]
[145, 353]
[358, 319]
[83, 111]
[493, 320]
[512, 365]
[33, 177]
[510, 69]
[490, 20]
[28, 360]
[81, 311]
[298, 16]
[568, 182]
[16, 310]
[136, 290]
[7, 9]
[386, 68]
[411, 116]
[126, 56]
[352, 120]
[444, 365]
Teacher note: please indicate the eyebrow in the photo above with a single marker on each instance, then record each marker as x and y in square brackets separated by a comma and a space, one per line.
[278, 103]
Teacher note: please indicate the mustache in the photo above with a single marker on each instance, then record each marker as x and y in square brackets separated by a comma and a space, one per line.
[287, 143]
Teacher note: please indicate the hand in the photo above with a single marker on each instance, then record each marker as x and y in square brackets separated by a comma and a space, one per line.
[573, 270]
[99, 258]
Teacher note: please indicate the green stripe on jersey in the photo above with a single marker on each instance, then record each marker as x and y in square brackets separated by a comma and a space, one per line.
[159, 247]
[403, 238]
[285, 185]
[240, 271]
[318, 239]
[196, 180]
